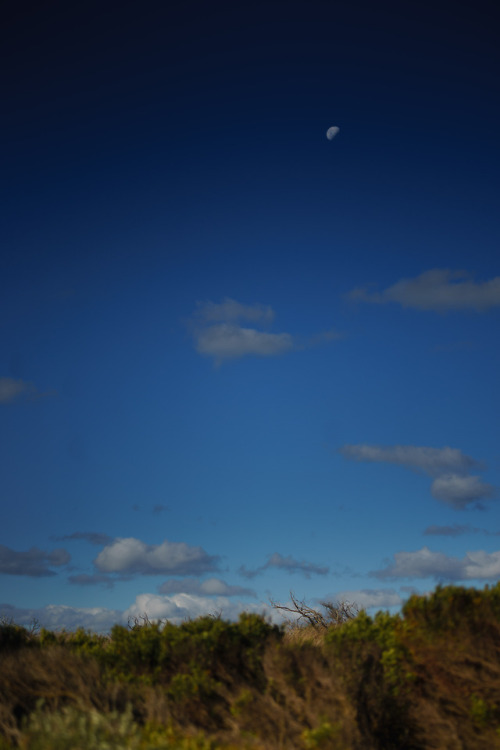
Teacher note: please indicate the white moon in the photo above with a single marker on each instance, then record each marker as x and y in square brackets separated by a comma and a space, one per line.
[332, 132]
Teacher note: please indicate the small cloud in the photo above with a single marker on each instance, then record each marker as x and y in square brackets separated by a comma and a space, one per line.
[92, 537]
[325, 337]
[440, 290]
[455, 530]
[287, 563]
[295, 566]
[369, 598]
[229, 311]
[422, 564]
[456, 346]
[459, 491]
[91, 580]
[15, 390]
[209, 587]
[34, 563]
[246, 573]
[132, 556]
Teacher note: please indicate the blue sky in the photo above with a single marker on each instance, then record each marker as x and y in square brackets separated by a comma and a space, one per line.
[239, 358]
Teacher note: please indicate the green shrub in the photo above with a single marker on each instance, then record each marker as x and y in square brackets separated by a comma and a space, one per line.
[13, 637]
[449, 608]
[324, 735]
[155, 654]
[426, 678]
[382, 633]
[75, 729]
[85, 730]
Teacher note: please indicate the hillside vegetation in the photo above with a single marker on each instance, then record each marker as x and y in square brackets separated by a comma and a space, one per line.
[428, 678]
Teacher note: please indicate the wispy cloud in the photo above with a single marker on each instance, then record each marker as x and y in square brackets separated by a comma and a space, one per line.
[132, 556]
[452, 484]
[288, 563]
[424, 563]
[458, 530]
[230, 311]
[83, 579]
[368, 598]
[92, 537]
[454, 530]
[439, 289]
[34, 563]
[15, 390]
[209, 587]
[433, 461]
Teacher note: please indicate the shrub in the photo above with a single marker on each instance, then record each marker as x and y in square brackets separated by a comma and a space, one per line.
[13, 637]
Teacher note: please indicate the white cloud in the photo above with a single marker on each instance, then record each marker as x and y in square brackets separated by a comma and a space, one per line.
[427, 564]
[439, 289]
[12, 390]
[131, 556]
[34, 563]
[458, 491]
[480, 564]
[176, 609]
[422, 564]
[209, 587]
[224, 341]
[180, 607]
[433, 461]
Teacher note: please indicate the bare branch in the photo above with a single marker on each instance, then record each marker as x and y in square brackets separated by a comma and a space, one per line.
[335, 614]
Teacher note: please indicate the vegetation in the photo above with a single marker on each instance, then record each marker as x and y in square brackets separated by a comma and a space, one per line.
[334, 680]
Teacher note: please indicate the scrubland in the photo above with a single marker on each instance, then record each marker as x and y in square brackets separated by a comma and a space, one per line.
[427, 678]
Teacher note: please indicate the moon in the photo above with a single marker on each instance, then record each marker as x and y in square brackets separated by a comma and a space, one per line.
[332, 132]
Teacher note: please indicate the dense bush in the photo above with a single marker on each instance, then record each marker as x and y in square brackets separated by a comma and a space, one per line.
[427, 678]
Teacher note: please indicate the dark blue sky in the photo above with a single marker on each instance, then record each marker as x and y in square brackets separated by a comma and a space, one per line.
[211, 310]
